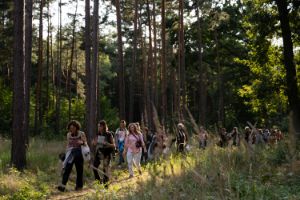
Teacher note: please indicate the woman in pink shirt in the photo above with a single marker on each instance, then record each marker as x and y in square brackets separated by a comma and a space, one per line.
[133, 148]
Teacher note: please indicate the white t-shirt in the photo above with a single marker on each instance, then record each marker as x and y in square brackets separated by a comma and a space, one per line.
[121, 135]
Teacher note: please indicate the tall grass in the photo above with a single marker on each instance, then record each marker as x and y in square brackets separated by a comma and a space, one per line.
[268, 172]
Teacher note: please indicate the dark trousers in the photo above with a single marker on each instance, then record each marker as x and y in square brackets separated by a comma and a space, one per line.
[180, 147]
[144, 156]
[121, 159]
[78, 161]
[106, 162]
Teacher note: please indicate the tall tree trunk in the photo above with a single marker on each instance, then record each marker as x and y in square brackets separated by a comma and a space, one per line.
[18, 151]
[202, 93]
[70, 70]
[163, 62]
[221, 117]
[48, 59]
[121, 73]
[52, 67]
[93, 72]
[181, 58]
[38, 100]
[134, 61]
[76, 70]
[88, 68]
[291, 74]
[59, 71]
[155, 90]
[145, 80]
[150, 76]
[27, 71]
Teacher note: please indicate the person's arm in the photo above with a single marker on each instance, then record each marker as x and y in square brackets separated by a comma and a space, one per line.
[94, 141]
[83, 138]
[116, 138]
[126, 145]
[111, 143]
[67, 142]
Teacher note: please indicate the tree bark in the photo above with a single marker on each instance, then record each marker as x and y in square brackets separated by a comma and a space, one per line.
[121, 73]
[92, 128]
[134, 61]
[48, 59]
[38, 100]
[88, 69]
[18, 151]
[70, 70]
[202, 93]
[59, 71]
[181, 58]
[221, 117]
[150, 77]
[27, 71]
[291, 74]
[163, 62]
[155, 95]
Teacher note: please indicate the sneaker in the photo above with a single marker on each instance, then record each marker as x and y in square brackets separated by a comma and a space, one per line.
[130, 176]
[61, 188]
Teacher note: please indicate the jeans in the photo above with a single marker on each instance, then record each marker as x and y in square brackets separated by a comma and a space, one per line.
[121, 159]
[134, 158]
[78, 161]
[121, 150]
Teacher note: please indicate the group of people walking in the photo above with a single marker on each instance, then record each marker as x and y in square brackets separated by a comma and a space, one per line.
[135, 145]
[254, 136]
[128, 142]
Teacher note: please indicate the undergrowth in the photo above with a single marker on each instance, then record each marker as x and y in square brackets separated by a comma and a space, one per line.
[267, 172]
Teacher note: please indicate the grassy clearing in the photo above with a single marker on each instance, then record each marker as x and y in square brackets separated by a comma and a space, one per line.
[216, 173]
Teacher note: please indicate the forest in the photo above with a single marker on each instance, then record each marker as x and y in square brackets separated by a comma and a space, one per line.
[208, 64]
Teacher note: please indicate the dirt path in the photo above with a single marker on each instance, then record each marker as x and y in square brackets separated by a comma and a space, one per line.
[90, 189]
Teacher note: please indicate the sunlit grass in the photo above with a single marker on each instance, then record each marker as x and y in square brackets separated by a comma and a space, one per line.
[214, 173]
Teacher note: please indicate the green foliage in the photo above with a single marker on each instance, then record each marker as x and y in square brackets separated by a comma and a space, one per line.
[109, 113]
[5, 108]
[214, 173]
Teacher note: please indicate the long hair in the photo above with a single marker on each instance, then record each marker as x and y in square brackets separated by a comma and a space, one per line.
[104, 124]
[135, 128]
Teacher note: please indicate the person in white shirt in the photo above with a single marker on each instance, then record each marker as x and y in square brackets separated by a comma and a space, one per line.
[120, 136]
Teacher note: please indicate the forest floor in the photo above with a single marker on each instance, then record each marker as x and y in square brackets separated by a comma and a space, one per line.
[270, 172]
